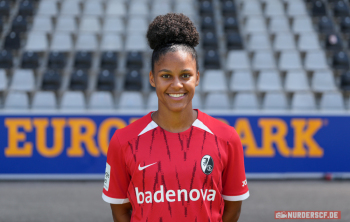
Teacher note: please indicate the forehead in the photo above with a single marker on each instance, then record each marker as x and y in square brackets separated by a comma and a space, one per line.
[179, 58]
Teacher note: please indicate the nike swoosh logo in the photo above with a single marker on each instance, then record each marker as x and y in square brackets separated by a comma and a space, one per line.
[144, 167]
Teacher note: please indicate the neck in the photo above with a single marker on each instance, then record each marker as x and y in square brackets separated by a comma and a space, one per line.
[174, 122]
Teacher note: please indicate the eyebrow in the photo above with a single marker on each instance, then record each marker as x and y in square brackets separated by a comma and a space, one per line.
[167, 70]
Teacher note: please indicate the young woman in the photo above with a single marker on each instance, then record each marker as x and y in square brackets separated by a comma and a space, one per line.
[177, 163]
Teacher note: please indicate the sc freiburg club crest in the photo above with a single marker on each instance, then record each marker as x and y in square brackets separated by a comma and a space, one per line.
[207, 164]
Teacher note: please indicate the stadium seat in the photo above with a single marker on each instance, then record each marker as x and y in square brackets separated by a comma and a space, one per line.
[92, 7]
[73, 100]
[134, 60]
[135, 42]
[42, 24]
[186, 8]
[83, 60]
[274, 8]
[208, 24]
[196, 101]
[259, 41]
[251, 7]
[133, 81]
[209, 41]
[289, 60]
[234, 41]
[279, 24]
[105, 80]
[323, 80]
[79, 80]
[152, 101]
[302, 24]
[242, 80]
[345, 25]
[214, 81]
[137, 25]
[308, 41]
[57, 60]
[116, 8]
[340, 60]
[26, 8]
[113, 24]
[70, 7]
[12, 41]
[332, 101]
[303, 101]
[131, 100]
[217, 100]
[245, 101]
[255, 24]
[284, 41]
[4, 8]
[269, 80]
[333, 42]
[275, 101]
[315, 60]
[90, 24]
[51, 80]
[228, 8]
[17, 100]
[37, 42]
[111, 42]
[237, 59]
[325, 25]
[296, 80]
[212, 60]
[138, 9]
[44, 100]
[109, 60]
[231, 24]
[340, 9]
[101, 100]
[3, 80]
[296, 8]
[30, 60]
[66, 24]
[160, 8]
[206, 8]
[318, 8]
[61, 42]
[263, 60]
[23, 80]
[19, 24]
[47, 7]
[345, 81]
[87, 42]
[6, 59]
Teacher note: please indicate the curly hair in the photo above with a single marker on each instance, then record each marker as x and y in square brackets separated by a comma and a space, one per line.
[170, 33]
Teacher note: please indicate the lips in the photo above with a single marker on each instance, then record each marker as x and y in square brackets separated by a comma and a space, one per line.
[176, 95]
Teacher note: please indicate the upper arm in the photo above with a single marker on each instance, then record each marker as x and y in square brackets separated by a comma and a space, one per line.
[232, 211]
[121, 212]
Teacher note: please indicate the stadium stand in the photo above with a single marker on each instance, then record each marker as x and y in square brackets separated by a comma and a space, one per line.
[254, 54]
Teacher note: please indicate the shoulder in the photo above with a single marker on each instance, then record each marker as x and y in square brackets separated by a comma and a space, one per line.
[217, 127]
[132, 130]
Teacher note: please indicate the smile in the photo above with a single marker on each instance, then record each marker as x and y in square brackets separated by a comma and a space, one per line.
[176, 95]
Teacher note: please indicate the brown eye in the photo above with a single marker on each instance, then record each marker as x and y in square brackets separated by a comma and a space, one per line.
[186, 75]
[166, 76]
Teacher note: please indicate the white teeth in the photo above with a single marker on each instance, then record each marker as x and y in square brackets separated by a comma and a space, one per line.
[176, 95]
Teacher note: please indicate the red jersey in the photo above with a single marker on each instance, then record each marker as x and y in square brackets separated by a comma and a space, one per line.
[175, 176]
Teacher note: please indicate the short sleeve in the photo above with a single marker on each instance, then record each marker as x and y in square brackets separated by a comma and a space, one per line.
[234, 181]
[117, 178]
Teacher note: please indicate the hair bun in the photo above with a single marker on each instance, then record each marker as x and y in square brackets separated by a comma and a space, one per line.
[172, 28]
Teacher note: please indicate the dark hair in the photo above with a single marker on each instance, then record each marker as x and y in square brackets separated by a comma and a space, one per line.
[170, 33]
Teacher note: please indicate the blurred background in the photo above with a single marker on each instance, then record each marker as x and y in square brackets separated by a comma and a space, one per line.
[74, 71]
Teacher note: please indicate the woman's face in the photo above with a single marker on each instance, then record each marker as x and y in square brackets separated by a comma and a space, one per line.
[175, 78]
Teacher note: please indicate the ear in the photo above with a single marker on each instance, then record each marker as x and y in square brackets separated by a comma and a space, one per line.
[197, 78]
[151, 79]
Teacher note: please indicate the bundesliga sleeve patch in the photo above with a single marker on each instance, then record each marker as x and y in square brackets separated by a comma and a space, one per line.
[207, 164]
[107, 176]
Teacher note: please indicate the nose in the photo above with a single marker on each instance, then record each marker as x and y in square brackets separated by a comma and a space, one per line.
[177, 84]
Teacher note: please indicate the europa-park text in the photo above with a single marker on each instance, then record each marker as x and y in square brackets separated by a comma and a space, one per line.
[95, 137]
